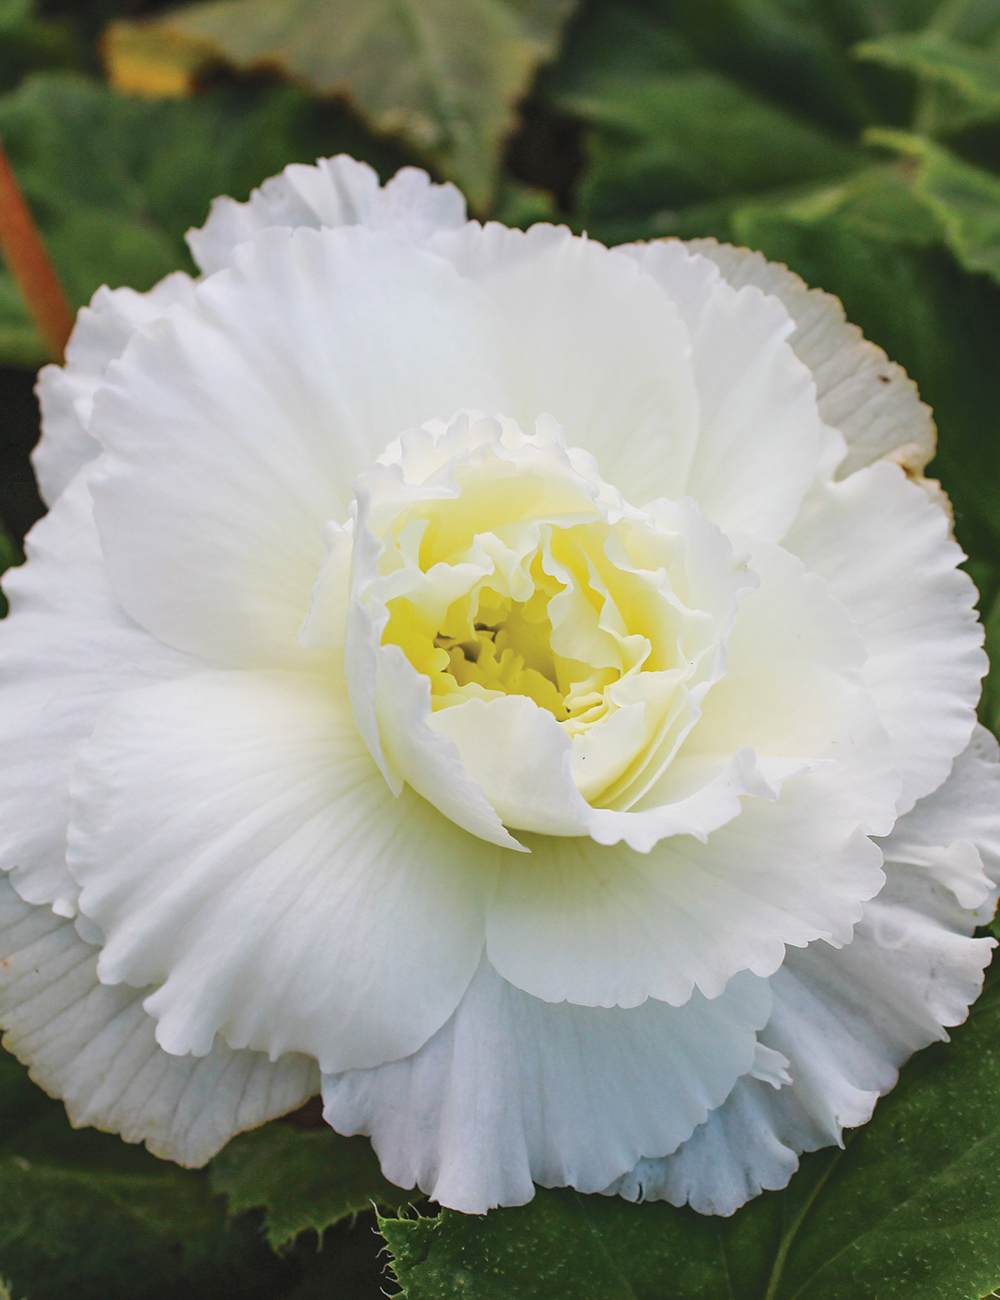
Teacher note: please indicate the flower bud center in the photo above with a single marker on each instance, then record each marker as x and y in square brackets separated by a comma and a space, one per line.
[547, 626]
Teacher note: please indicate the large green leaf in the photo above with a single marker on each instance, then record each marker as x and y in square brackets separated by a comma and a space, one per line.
[663, 143]
[84, 1216]
[967, 79]
[305, 1179]
[27, 42]
[965, 199]
[955, 60]
[445, 75]
[908, 1211]
[115, 181]
[89, 1218]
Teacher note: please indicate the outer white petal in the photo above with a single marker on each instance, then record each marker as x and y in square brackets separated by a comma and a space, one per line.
[65, 649]
[66, 393]
[955, 833]
[847, 1020]
[885, 548]
[861, 392]
[94, 1047]
[237, 847]
[513, 1091]
[236, 427]
[336, 192]
[760, 433]
[606, 926]
[596, 344]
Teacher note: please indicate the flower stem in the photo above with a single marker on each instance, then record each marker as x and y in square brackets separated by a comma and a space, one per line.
[30, 265]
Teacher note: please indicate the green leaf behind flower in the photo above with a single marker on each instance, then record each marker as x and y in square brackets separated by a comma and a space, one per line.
[964, 199]
[442, 75]
[83, 1215]
[304, 1178]
[28, 42]
[908, 1211]
[661, 144]
[114, 181]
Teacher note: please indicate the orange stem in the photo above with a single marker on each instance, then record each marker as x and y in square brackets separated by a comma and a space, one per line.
[30, 265]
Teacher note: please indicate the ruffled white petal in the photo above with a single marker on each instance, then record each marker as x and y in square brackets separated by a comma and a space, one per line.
[513, 1091]
[236, 427]
[609, 926]
[93, 1046]
[595, 343]
[498, 759]
[860, 391]
[66, 393]
[955, 832]
[238, 848]
[760, 435]
[336, 192]
[66, 649]
[885, 548]
[847, 1020]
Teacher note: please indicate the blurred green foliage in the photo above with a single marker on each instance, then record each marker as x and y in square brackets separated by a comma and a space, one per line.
[858, 141]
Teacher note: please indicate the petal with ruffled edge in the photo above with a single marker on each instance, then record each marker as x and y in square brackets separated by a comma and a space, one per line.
[235, 428]
[66, 648]
[336, 192]
[513, 1090]
[608, 926]
[869, 398]
[760, 434]
[886, 550]
[66, 393]
[238, 848]
[94, 1047]
[847, 1020]
[598, 346]
[955, 834]
[507, 759]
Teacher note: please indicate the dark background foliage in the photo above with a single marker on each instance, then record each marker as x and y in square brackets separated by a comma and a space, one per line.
[858, 141]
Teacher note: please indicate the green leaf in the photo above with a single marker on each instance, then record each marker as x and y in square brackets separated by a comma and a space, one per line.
[28, 43]
[907, 1211]
[989, 705]
[964, 199]
[562, 1246]
[792, 51]
[88, 1217]
[877, 203]
[305, 1179]
[20, 342]
[970, 74]
[617, 42]
[114, 182]
[8, 556]
[665, 143]
[445, 75]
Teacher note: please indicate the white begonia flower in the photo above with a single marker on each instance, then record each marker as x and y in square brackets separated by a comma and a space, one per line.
[522, 690]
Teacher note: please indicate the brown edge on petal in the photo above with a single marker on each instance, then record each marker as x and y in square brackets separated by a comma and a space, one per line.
[823, 340]
[30, 264]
